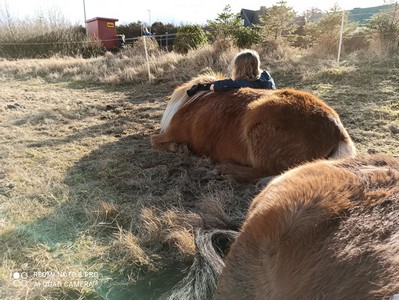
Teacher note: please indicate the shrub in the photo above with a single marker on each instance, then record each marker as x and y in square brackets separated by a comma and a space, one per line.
[189, 37]
[384, 27]
[245, 37]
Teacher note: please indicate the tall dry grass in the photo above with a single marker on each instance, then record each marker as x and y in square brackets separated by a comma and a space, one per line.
[43, 37]
[129, 66]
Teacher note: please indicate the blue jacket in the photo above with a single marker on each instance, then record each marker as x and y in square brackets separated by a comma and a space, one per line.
[264, 82]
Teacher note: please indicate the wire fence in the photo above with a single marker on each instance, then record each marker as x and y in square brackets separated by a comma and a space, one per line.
[162, 37]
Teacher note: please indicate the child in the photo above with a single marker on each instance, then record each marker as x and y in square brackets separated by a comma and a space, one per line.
[246, 73]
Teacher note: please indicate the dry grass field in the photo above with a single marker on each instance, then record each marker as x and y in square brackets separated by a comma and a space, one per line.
[89, 211]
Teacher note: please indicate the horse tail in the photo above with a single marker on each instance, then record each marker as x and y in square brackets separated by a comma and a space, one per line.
[208, 264]
[345, 146]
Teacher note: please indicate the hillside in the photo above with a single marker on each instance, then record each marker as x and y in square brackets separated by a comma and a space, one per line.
[361, 15]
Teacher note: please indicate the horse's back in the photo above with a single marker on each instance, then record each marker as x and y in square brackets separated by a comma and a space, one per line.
[290, 127]
[211, 125]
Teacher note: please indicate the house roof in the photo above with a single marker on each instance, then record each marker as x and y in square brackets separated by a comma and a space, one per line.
[250, 17]
[102, 19]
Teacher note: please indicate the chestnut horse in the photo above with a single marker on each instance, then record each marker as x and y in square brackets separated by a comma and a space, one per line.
[252, 133]
[324, 230]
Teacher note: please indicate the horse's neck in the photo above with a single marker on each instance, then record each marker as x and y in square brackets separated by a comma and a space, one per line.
[180, 98]
[173, 107]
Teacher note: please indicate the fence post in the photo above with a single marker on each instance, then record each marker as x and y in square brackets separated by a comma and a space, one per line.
[146, 58]
[144, 33]
[340, 35]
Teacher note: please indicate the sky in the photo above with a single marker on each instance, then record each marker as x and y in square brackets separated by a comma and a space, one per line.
[177, 12]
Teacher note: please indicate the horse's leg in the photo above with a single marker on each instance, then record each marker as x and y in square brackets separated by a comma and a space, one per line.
[211, 175]
[240, 173]
[162, 142]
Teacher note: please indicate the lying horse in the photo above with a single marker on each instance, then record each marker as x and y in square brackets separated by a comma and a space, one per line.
[253, 133]
[324, 230]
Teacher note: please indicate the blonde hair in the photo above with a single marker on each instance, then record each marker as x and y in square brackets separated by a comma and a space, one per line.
[246, 65]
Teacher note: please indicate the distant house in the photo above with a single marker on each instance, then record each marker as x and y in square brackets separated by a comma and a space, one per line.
[253, 17]
[314, 17]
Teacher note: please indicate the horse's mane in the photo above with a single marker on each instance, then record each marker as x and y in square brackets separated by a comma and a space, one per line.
[180, 97]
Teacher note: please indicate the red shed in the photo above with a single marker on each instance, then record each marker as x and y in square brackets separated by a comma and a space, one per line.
[103, 29]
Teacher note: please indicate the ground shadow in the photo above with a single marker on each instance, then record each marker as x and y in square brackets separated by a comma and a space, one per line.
[129, 175]
[132, 175]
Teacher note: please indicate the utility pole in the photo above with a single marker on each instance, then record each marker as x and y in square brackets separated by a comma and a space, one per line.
[394, 12]
[84, 12]
[149, 21]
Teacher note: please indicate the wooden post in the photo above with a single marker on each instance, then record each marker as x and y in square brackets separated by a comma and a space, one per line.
[340, 35]
[146, 57]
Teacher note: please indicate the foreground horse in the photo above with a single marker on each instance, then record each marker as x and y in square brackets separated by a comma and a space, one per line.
[253, 133]
[325, 230]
